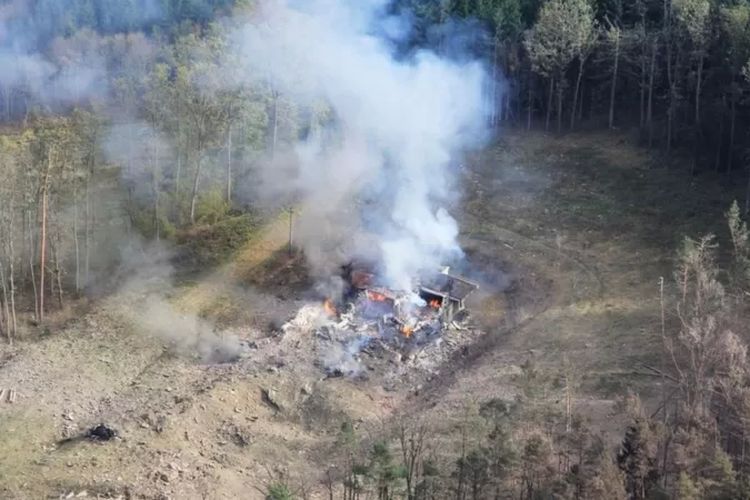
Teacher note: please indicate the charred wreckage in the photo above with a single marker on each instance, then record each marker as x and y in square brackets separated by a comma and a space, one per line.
[373, 314]
[437, 298]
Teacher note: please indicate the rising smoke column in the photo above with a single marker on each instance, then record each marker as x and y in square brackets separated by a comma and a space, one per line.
[381, 184]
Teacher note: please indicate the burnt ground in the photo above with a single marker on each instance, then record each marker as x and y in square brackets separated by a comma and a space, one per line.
[567, 235]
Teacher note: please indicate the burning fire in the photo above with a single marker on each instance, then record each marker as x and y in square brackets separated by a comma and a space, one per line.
[406, 331]
[376, 297]
[329, 308]
[435, 304]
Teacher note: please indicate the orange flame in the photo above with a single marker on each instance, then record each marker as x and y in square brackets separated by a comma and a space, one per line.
[376, 297]
[329, 308]
[406, 331]
[435, 304]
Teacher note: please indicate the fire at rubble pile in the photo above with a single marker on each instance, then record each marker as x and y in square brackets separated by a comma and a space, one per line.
[371, 315]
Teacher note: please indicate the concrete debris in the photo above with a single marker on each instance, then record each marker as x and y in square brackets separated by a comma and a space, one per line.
[8, 395]
[270, 397]
[376, 323]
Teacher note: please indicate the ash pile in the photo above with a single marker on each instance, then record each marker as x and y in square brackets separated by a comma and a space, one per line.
[371, 323]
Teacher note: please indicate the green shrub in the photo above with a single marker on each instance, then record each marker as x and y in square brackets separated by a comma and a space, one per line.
[211, 244]
[211, 207]
[279, 491]
[143, 223]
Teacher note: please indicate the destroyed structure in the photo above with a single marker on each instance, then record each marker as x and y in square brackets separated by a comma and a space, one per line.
[440, 291]
[371, 313]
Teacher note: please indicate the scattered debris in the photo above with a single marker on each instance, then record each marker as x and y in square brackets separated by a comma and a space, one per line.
[334, 373]
[101, 433]
[80, 494]
[382, 323]
[269, 397]
[8, 395]
[235, 434]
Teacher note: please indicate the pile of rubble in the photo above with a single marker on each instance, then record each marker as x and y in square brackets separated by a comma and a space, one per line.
[380, 322]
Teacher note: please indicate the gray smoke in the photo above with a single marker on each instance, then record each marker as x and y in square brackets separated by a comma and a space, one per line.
[54, 53]
[377, 180]
[144, 298]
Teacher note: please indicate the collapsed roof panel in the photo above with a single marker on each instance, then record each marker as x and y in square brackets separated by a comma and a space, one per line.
[448, 285]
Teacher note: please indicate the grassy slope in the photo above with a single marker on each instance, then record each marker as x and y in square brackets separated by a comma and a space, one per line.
[595, 222]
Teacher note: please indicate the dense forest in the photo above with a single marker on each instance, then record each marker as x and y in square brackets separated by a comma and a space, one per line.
[86, 82]
[126, 122]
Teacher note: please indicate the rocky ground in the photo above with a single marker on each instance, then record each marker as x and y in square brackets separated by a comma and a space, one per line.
[567, 236]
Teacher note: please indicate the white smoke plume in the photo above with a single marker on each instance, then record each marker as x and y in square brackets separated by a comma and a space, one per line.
[377, 182]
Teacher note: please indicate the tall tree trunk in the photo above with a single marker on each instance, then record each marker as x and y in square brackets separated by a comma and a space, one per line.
[733, 120]
[508, 106]
[5, 304]
[24, 249]
[642, 104]
[717, 159]
[196, 183]
[517, 95]
[32, 275]
[43, 236]
[155, 176]
[613, 85]
[574, 109]
[559, 105]
[549, 103]
[58, 270]
[229, 165]
[581, 93]
[75, 239]
[697, 133]
[493, 114]
[670, 115]
[671, 77]
[275, 131]
[12, 278]
[650, 110]
[177, 173]
[87, 234]
[531, 102]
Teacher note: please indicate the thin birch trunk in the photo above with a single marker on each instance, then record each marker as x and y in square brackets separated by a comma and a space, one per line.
[614, 82]
[58, 271]
[177, 173]
[642, 105]
[229, 165]
[549, 103]
[32, 274]
[559, 106]
[730, 150]
[43, 237]
[531, 102]
[75, 239]
[155, 174]
[650, 110]
[574, 109]
[275, 131]
[6, 307]
[12, 279]
[196, 183]
[697, 134]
